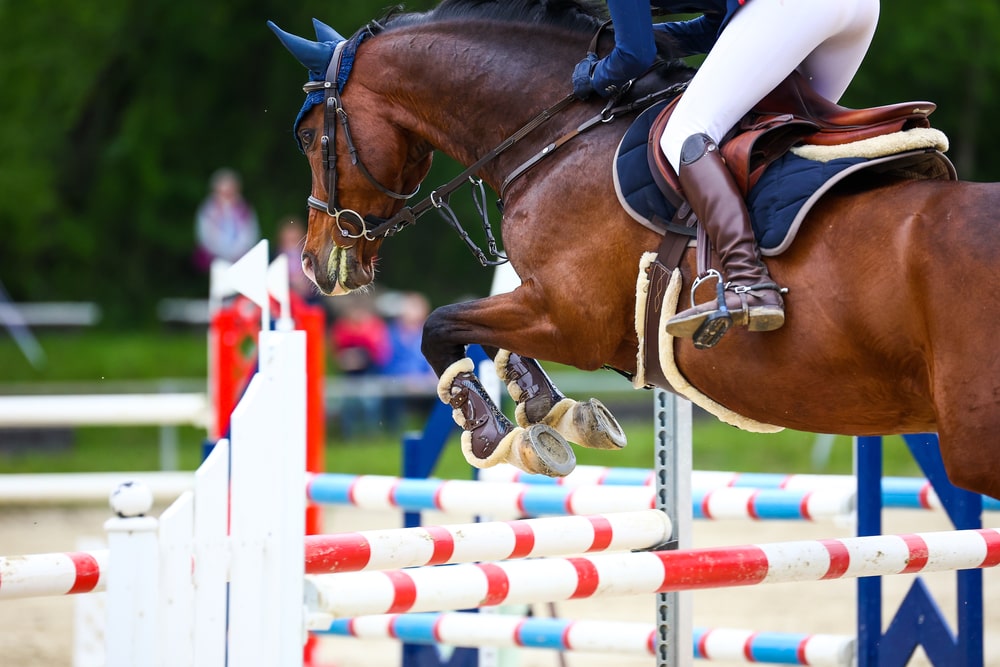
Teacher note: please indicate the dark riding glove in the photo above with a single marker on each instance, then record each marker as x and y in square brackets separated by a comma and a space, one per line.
[583, 86]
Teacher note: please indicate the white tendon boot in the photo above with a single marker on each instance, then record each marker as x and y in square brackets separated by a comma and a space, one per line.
[588, 424]
[489, 438]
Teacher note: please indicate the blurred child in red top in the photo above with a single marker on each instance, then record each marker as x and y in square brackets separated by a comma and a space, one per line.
[359, 341]
[360, 337]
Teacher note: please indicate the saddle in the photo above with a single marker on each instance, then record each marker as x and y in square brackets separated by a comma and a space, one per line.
[791, 114]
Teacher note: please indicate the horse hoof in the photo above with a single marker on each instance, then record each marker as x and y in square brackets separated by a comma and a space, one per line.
[543, 451]
[590, 424]
[603, 429]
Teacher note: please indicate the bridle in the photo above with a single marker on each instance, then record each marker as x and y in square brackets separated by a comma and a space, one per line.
[371, 227]
[332, 114]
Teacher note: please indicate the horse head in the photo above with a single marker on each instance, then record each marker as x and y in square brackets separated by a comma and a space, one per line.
[363, 168]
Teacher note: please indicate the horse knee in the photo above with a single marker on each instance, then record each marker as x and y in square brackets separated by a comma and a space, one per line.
[436, 345]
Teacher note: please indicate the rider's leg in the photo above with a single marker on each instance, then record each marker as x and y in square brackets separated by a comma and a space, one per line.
[765, 41]
[751, 298]
[825, 38]
[832, 65]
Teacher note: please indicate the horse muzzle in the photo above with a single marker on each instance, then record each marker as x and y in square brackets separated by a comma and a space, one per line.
[342, 271]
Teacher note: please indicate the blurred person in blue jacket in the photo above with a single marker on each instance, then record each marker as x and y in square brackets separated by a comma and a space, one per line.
[413, 378]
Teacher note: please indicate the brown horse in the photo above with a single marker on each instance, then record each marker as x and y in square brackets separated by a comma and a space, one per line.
[890, 296]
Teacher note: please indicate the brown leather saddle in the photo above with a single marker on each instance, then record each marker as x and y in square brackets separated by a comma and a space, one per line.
[791, 114]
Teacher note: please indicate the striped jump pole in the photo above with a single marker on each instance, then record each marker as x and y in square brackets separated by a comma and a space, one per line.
[620, 637]
[588, 475]
[511, 499]
[495, 540]
[69, 573]
[553, 579]
[582, 475]
[774, 647]
[41, 575]
[897, 492]
[776, 504]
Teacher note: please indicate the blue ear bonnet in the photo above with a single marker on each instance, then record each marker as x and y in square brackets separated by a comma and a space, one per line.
[316, 58]
[312, 99]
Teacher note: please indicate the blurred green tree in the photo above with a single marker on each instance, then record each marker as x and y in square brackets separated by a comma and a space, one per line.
[942, 52]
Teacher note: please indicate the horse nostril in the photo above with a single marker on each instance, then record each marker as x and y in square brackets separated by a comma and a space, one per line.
[308, 265]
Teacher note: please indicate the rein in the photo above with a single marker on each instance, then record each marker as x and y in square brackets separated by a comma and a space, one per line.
[372, 227]
[440, 198]
[607, 115]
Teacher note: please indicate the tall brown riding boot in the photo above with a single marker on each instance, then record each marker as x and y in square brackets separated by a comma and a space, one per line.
[746, 296]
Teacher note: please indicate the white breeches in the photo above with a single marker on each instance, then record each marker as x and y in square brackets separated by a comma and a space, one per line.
[765, 41]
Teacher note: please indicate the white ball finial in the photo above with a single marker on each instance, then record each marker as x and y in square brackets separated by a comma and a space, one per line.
[131, 499]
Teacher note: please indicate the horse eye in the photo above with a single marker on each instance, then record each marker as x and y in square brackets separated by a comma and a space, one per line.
[306, 137]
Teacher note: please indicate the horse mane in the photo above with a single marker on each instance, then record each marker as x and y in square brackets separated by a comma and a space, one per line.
[584, 16]
[577, 15]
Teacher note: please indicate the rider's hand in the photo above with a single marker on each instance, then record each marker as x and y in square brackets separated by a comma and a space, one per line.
[583, 87]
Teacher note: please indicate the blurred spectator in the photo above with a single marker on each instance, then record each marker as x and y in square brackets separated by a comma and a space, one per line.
[359, 340]
[405, 333]
[412, 377]
[225, 224]
[291, 238]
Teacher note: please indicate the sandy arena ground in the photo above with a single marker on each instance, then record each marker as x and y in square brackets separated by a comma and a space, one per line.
[39, 632]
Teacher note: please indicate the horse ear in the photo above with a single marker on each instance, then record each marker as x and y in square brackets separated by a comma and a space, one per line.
[325, 33]
[314, 55]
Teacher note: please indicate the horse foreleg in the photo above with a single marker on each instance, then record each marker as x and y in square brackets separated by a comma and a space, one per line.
[516, 321]
[588, 424]
[489, 438]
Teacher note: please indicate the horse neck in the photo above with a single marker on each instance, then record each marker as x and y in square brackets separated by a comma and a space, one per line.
[477, 85]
